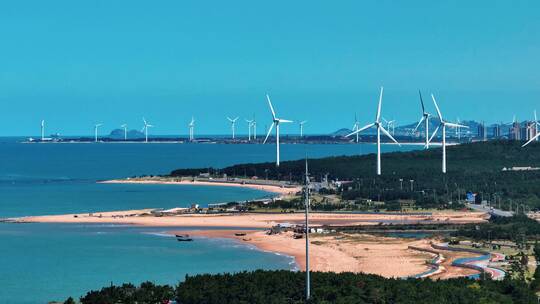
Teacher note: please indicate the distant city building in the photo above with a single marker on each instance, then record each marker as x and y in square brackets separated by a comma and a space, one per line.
[515, 131]
[497, 131]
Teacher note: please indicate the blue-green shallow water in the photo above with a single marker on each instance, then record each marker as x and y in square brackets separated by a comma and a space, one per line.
[42, 262]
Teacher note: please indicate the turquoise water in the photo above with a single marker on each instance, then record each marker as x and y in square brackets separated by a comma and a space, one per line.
[43, 262]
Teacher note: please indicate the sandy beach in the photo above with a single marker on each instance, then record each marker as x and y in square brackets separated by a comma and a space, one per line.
[389, 257]
[254, 220]
[282, 191]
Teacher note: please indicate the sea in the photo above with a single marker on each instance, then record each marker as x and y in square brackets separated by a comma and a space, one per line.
[45, 262]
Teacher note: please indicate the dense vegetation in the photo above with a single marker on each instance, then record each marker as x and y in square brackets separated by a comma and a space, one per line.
[476, 167]
[288, 287]
[516, 228]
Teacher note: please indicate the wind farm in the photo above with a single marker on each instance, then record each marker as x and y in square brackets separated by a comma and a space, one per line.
[282, 152]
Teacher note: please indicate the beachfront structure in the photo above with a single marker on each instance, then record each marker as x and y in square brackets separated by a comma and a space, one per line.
[275, 122]
[380, 128]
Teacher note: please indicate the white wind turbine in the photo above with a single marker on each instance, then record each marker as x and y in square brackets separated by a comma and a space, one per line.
[250, 124]
[145, 129]
[233, 125]
[254, 124]
[535, 137]
[124, 126]
[378, 124]
[96, 126]
[42, 130]
[425, 119]
[275, 122]
[443, 124]
[356, 126]
[302, 127]
[191, 129]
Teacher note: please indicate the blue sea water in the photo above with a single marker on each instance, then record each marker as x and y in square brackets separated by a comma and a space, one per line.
[43, 262]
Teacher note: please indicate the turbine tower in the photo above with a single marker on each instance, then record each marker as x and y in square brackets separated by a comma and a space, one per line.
[302, 127]
[378, 124]
[96, 126]
[250, 124]
[425, 119]
[254, 124]
[233, 123]
[443, 124]
[275, 122]
[356, 126]
[124, 126]
[306, 206]
[145, 129]
[191, 129]
[43, 129]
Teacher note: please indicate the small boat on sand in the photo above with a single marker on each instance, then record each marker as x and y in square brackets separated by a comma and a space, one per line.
[240, 234]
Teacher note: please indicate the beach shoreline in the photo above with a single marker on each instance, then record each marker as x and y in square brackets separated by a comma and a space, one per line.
[276, 189]
[336, 252]
[385, 256]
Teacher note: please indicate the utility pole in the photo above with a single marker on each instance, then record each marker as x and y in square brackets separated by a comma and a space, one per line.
[412, 182]
[307, 232]
[401, 183]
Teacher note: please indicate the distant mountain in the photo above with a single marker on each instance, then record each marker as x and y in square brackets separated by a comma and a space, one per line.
[131, 134]
[341, 132]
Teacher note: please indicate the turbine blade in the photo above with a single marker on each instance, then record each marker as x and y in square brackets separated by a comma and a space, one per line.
[434, 133]
[419, 123]
[271, 107]
[388, 134]
[437, 107]
[379, 107]
[454, 125]
[269, 131]
[284, 120]
[531, 140]
[422, 102]
[361, 129]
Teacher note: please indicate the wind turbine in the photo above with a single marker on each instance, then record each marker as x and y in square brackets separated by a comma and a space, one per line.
[145, 129]
[535, 137]
[356, 126]
[124, 126]
[233, 123]
[380, 128]
[425, 119]
[43, 129]
[275, 122]
[96, 126]
[390, 125]
[302, 127]
[191, 129]
[443, 124]
[250, 124]
[254, 124]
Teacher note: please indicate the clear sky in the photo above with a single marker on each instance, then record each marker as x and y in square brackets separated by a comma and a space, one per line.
[75, 63]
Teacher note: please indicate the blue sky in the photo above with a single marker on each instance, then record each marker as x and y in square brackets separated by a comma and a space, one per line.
[74, 63]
